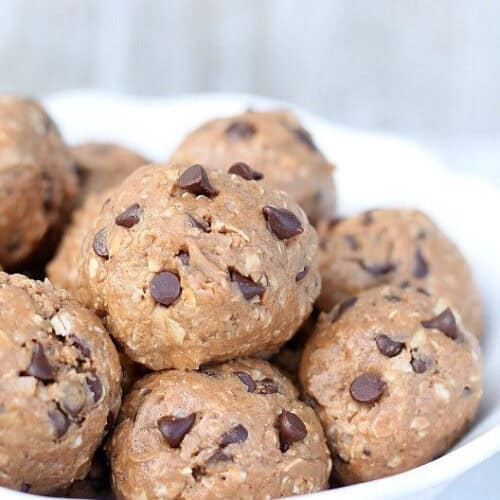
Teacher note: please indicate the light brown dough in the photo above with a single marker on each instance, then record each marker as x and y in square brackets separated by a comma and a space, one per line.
[38, 182]
[273, 143]
[62, 270]
[215, 249]
[59, 386]
[103, 165]
[393, 391]
[397, 247]
[233, 448]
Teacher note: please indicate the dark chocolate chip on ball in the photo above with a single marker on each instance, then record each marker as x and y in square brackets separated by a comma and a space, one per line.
[237, 434]
[444, 322]
[421, 267]
[195, 180]
[301, 274]
[388, 346]
[291, 429]
[247, 286]
[99, 244]
[174, 429]
[59, 421]
[282, 222]
[305, 138]
[247, 380]
[367, 388]
[240, 130]
[129, 217]
[40, 366]
[165, 288]
[244, 171]
[95, 386]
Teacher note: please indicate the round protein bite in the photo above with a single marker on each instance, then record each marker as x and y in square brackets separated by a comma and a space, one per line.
[276, 147]
[232, 431]
[38, 181]
[395, 378]
[62, 270]
[190, 268]
[103, 165]
[59, 386]
[397, 247]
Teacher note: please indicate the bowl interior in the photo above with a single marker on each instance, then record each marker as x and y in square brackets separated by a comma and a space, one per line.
[373, 171]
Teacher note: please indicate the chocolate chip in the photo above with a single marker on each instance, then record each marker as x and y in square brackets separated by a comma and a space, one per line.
[247, 380]
[423, 291]
[209, 372]
[219, 456]
[305, 137]
[95, 386]
[343, 307]
[82, 345]
[367, 388]
[243, 170]
[291, 429]
[39, 366]
[198, 471]
[195, 180]
[404, 285]
[165, 288]
[247, 286]
[240, 130]
[418, 364]
[267, 386]
[421, 268]
[59, 421]
[99, 244]
[129, 217]
[237, 434]
[174, 429]
[183, 256]
[25, 488]
[392, 298]
[444, 322]
[200, 224]
[352, 241]
[283, 223]
[377, 269]
[387, 346]
[302, 274]
[466, 392]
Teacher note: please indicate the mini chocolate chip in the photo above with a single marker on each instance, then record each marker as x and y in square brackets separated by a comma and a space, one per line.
[421, 268]
[165, 288]
[418, 364]
[39, 366]
[219, 456]
[343, 307]
[267, 386]
[200, 224]
[367, 218]
[174, 429]
[301, 274]
[247, 286]
[209, 372]
[352, 241]
[305, 137]
[99, 244]
[247, 380]
[444, 322]
[243, 170]
[423, 291]
[387, 346]
[367, 388]
[59, 421]
[195, 180]
[238, 434]
[291, 429]
[283, 223]
[25, 488]
[183, 256]
[82, 345]
[240, 130]
[392, 298]
[467, 391]
[377, 269]
[129, 217]
[95, 386]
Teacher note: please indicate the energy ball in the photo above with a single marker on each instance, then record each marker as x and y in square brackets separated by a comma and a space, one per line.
[102, 165]
[232, 431]
[280, 152]
[38, 181]
[62, 270]
[395, 378]
[190, 267]
[59, 386]
[397, 247]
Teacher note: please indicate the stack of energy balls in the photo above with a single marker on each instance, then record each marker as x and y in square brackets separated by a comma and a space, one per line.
[255, 359]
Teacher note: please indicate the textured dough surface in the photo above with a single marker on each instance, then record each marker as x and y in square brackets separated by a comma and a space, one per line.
[144, 465]
[395, 246]
[59, 386]
[432, 382]
[204, 242]
[275, 144]
[38, 181]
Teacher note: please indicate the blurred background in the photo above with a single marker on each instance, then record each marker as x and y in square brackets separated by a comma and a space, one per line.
[428, 70]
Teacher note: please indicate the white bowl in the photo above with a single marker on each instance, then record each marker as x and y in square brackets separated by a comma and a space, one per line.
[373, 171]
